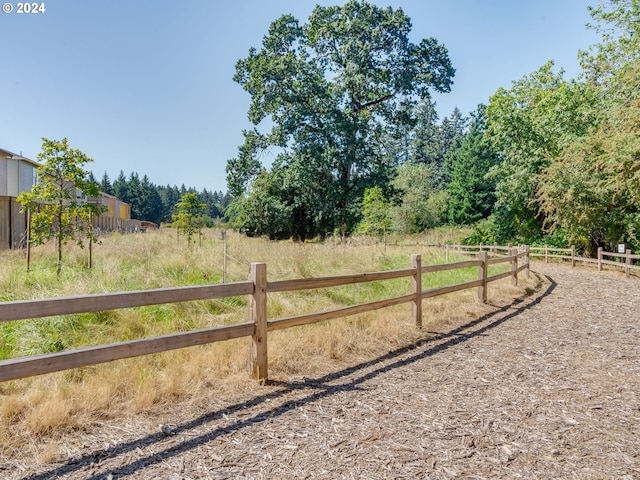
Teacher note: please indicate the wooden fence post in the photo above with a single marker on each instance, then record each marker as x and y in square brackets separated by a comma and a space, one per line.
[627, 270]
[573, 255]
[514, 266]
[599, 259]
[482, 275]
[446, 253]
[528, 260]
[546, 254]
[258, 315]
[416, 289]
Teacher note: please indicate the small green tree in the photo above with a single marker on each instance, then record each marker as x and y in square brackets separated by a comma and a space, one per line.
[376, 213]
[57, 204]
[189, 217]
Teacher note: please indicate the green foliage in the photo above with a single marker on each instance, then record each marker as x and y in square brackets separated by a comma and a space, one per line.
[189, 218]
[530, 125]
[570, 149]
[592, 191]
[425, 145]
[376, 211]
[485, 232]
[618, 21]
[330, 88]
[58, 204]
[471, 191]
[421, 204]
[157, 203]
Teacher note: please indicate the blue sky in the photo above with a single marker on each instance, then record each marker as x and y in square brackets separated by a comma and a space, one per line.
[147, 87]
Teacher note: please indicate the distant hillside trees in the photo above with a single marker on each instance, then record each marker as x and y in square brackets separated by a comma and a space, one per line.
[156, 203]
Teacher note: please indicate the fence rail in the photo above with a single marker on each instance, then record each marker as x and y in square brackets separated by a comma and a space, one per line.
[256, 288]
[559, 253]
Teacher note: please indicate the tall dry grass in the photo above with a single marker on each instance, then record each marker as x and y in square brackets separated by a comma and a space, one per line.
[51, 405]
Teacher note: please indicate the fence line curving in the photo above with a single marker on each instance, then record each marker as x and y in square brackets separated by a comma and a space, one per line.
[256, 288]
[563, 254]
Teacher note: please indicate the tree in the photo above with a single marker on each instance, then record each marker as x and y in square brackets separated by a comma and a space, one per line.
[529, 125]
[421, 204]
[376, 218]
[330, 88]
[452, 133]
[189, 215]
[570, 148]
[105, 184]
[471, 191]
[120, 187]
[425, 141]
[591, 192]
[618, 21]
[57, 203]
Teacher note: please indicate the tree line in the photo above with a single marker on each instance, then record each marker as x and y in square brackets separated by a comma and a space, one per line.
[158, 203]
[570, 148]
[359, 147]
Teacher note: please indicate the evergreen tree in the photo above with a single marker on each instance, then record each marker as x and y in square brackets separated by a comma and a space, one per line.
[452, 132]
[471, 191]
[120, 187]
[376, 213]
[105, 184]
[91, 178]
[426, 139]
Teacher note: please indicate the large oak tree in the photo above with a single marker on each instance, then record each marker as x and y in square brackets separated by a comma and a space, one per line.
[327, 90]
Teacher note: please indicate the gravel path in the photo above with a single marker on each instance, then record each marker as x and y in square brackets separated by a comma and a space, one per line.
[548, 388]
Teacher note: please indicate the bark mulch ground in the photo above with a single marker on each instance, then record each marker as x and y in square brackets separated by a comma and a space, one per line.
[547, 388]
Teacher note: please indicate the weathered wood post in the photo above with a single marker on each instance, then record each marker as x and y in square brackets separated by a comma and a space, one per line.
[446, 253]
[627, 270]
[258, 315]
[573, 255]
[416, 289]
[513, 252]
[599, 259]
[528, 260]
[546, 254]
[482, 275]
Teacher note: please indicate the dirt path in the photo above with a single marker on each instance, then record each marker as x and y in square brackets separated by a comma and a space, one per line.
[548, 388]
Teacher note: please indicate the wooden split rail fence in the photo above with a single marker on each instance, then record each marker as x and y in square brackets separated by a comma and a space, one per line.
[568, 254]
[256, 288]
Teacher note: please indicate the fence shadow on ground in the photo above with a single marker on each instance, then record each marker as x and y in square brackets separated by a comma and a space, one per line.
[319, 388]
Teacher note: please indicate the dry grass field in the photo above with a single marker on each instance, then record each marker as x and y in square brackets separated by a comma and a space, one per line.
[42, 410]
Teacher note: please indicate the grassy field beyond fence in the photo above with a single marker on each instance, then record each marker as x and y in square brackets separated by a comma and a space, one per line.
[73, 399]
